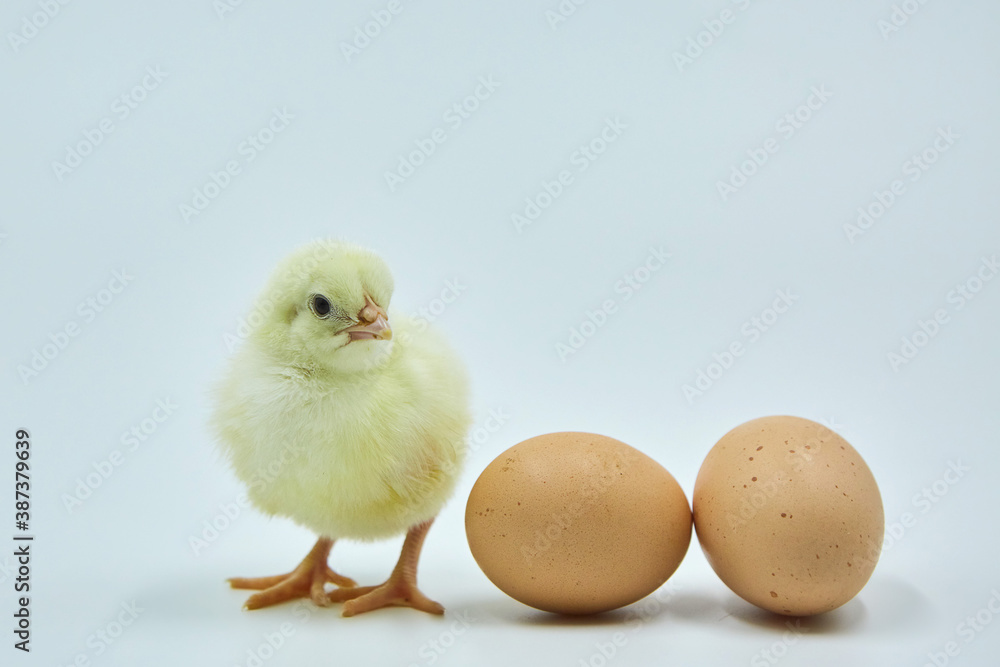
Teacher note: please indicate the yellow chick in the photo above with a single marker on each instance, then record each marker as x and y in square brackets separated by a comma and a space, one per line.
[348, 421]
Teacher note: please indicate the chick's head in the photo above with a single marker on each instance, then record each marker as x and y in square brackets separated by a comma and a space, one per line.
[330, 302]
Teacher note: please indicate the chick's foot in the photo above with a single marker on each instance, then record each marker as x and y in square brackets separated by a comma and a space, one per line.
[309, 579]
[393, 593]
[400, 590]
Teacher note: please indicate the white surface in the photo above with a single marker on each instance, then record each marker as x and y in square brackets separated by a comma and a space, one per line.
[164, 335]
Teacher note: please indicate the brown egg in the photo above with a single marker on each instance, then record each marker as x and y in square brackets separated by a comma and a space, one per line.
[577, 523]
[789, 515]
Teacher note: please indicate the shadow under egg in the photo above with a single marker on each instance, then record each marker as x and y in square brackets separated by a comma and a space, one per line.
[844, 619]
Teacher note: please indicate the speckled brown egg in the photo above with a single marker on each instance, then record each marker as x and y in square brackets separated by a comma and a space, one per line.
[577, 523]
[789, 515]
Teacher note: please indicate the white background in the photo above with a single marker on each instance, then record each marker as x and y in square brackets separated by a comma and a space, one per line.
[686, 127]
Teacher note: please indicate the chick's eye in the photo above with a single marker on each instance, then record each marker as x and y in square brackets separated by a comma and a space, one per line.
[320, 305]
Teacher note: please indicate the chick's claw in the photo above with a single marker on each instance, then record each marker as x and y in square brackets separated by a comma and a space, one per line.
[398, 593]
[309, 579]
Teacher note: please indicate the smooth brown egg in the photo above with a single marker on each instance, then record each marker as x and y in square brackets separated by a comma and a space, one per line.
[789, 515]
[577, 523]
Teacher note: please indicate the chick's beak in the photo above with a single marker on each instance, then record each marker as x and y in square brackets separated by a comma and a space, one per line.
[374, 323]
[377, 330]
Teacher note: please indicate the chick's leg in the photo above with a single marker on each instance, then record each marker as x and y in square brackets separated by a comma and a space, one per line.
[307, 580]
[400, 589]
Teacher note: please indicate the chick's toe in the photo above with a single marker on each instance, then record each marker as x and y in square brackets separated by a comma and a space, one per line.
[308, 579]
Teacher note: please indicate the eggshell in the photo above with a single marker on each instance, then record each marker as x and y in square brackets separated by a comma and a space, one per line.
[577, 523]
[789, 515]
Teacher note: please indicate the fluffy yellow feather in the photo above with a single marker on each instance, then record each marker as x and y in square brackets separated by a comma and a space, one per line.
[346, 426]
